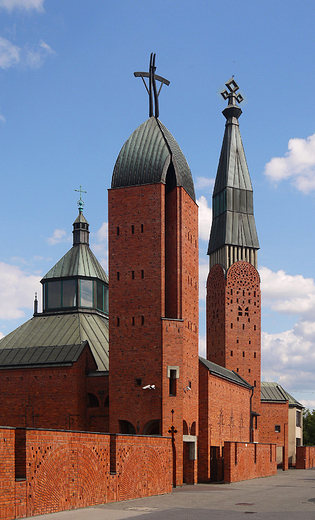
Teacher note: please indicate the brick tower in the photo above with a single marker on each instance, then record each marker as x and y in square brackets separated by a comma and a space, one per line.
[233, 285]
[153, 302]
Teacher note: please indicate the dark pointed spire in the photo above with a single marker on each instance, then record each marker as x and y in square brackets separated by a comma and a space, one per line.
[233, 234]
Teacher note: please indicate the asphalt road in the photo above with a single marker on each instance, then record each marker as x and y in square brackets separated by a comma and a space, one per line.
[289, 495]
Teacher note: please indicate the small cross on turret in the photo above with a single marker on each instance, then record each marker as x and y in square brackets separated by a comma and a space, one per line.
[80, 202]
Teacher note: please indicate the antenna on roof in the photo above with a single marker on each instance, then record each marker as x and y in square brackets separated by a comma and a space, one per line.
[152, 85]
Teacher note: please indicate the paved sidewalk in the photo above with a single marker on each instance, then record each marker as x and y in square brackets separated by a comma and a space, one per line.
[288, 496]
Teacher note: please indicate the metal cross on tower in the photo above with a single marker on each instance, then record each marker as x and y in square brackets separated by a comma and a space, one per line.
[232, 88]
[80, 202]
[152, 85]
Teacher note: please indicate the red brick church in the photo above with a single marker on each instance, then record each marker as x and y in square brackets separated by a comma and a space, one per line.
[119, 354]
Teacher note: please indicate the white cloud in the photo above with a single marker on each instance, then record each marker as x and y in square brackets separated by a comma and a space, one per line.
[9, 54]
[17, 290]
[204, 184]
[298, 164]
[204, 218]
[2, 118]
[59, 235]
[12, 55]
[100, 245]
[288, 357]
[286, 293]
[35, 57]
[22, 4]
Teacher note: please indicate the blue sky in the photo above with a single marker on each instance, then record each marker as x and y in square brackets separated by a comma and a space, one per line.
[68, 102]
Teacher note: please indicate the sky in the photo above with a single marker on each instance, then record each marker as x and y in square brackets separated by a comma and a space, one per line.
[69, 101]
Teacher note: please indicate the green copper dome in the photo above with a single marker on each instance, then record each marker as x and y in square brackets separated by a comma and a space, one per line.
[146, 157]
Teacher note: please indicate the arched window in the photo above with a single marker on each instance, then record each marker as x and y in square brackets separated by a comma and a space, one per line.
[93, 401]
[185, 428]
[152, 428]
[127, 427]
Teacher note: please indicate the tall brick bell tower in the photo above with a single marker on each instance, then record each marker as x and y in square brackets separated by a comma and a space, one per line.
[233, 285]
[153, 298]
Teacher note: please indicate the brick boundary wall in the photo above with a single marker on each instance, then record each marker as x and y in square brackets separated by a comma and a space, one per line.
[46, 471]
[245, 461]
[305, 457]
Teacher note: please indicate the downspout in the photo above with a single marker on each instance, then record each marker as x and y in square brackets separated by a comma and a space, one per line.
[251, 417]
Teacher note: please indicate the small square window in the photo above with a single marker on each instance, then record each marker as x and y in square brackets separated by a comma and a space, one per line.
[277, 428]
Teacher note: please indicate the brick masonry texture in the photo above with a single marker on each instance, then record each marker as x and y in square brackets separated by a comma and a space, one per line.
[54, 397]
[305, 457]
[68, 470]
[272, 415]
[153, 313]
[234, 322]
[244, 461]
[224, 414]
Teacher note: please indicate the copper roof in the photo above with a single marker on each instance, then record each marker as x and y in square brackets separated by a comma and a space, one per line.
[224, 373]
[63, 329]
[273, 392]
[146, 156]
[233, 212]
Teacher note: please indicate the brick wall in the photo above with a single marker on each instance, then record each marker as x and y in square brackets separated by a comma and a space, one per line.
[244, 461]
[68, 470]
[224, 413]
[305, 457]
[275, 416]
[153, 312]
[234, 322]
[51, 397]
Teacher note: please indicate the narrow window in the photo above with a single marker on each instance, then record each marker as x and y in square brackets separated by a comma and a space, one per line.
[237, 341]
[142, 320]
[118, 276]
[277, 428]
[231, 325]
[249, 342]
[240, 313]
[246, 311]
[254, 327]
[139, 381]
[117, 230]
[255, 384]
[243, 353]
[141, 228]
[172, 381]
[255, 355]
[118, 322]
[231, 353]
[142, 273]
[243, 326]
[133, 275]
[133, 229]
[249, 370]
[133, 320]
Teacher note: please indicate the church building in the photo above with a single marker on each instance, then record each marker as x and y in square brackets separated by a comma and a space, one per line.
[119, 354]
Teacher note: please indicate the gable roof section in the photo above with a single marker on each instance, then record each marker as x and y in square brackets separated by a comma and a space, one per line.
[274, 393]
[224, 373]
[63, 329]
[62, 355]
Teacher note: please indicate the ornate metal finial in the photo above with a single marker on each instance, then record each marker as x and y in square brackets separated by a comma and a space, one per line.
[152, 85]
[80, 202]
[229, 94]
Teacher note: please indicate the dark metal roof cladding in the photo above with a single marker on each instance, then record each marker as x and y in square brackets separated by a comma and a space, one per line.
[146, 156]
[61, 355]
[219, 371]
[232, 201]
[273, 392]
[62, 330]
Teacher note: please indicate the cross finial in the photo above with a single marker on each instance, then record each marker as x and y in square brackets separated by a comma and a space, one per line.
[230, 92]
[152, 85]
[80, 202]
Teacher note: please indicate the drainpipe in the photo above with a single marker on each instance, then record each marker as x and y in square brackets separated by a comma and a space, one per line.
[251, 417]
